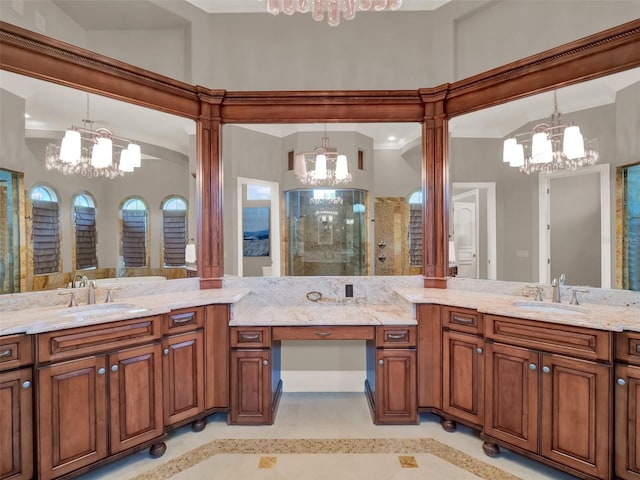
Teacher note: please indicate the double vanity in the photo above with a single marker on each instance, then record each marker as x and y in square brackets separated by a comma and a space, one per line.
[82, 386]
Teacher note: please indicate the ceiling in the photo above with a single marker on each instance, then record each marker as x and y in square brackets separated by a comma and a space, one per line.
[258, 6]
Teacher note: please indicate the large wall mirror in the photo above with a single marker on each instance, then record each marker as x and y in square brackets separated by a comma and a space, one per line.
[100, 221]
[282, 217]
[535, 222]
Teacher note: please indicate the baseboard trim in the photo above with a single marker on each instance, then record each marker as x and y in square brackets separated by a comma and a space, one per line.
[323, 381]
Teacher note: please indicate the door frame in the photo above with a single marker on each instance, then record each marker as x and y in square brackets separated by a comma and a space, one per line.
[544, 219]
[274, 223]
[490, 191]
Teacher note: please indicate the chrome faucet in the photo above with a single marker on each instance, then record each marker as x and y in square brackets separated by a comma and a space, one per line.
[91, 295]
[555, 297]
[79, 281]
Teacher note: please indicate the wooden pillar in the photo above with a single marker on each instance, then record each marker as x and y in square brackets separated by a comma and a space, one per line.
[209, 246]
[435, 188]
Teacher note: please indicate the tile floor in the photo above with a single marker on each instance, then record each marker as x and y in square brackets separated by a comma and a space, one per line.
[325, 436]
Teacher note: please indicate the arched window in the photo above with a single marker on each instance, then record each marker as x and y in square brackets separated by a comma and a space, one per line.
[134, 232]
[415, 228]
[174, 231]
[84, 219]
[45, 230]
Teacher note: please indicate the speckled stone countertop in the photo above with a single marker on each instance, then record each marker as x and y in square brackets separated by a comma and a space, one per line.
[38, 320]
[602, 317]
[323, 315]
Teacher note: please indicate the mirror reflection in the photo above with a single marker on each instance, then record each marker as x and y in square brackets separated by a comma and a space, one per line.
[91, 188]
[519, 213]
[316, 199]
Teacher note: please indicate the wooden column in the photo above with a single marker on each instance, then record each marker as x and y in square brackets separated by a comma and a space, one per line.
[435, 188]
[209, 246]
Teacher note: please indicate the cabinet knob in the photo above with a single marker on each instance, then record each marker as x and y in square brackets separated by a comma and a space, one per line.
[114, 368]
[621, 382]
[479, 350]
[380, 362]
[101, 371]
[26, 384]
[165, 351]
[546, 369]
[265, 362]
[532, 366]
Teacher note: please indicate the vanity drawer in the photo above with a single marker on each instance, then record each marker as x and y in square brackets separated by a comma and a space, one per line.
[250, 337]
[396, 337]
[15, 351]
[330, 332]
[183, 320]
[90, 340]
[462, 319]
[580, 342]
[628, 347]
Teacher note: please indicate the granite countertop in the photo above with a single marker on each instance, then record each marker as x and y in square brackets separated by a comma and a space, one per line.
[602, 317]
[321, 315]
[39, 320]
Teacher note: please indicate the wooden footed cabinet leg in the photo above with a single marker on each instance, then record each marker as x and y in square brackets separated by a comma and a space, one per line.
[448, 425]
[158, 449]
[490, 449]
[198, 425]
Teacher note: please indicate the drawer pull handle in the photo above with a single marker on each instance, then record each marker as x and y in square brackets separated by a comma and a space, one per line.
[114, 368]
[621, 382]
[183, 318]
[638, 348]
[380, 362]
[101, 371]
[26, 384]
[397, 336]
[532, 366]
[467, 321]
[265, 362]
[248, 337]
[479, 350]
[165, 351]
[5, 353]
[546, 369]
[323, 334]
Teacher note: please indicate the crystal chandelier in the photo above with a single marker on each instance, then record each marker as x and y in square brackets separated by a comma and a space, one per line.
[330, 8]
[550, 147]
[322, 167]
[92, 153]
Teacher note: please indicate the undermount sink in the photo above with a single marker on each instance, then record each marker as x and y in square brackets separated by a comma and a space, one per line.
[549, 307]
[102, 309]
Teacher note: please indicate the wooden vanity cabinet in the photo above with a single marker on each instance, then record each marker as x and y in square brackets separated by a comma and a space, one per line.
[548, 393]
[462, 368]
[183, 366]
[429, 354]
[255, 376]
[392, 375]
[16, 407]
[627, 405]
[92, 406]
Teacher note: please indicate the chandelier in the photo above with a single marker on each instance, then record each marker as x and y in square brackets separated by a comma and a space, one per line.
[322, 167]
[92, 153]
[330, 8]
[550, 147]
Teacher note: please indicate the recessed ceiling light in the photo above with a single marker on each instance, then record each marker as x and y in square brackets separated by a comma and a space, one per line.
[391, 138]
[26, 115]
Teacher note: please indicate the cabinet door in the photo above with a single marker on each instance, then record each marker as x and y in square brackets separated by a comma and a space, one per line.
[512, 387]
[396, 397]
[429, 357]
[16, 425]
[216, 361]
[251, 387]
[183, 370]
[575, 413]
[627, 418]
[463, 376]
[135, 393]
[72, 407]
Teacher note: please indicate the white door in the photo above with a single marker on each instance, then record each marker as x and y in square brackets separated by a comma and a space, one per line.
[465, 234]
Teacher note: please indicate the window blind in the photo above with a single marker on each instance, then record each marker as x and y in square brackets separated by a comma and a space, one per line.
[45, 236]
[415, 234]
[134, 237]
[175, 237]
[86, 238]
